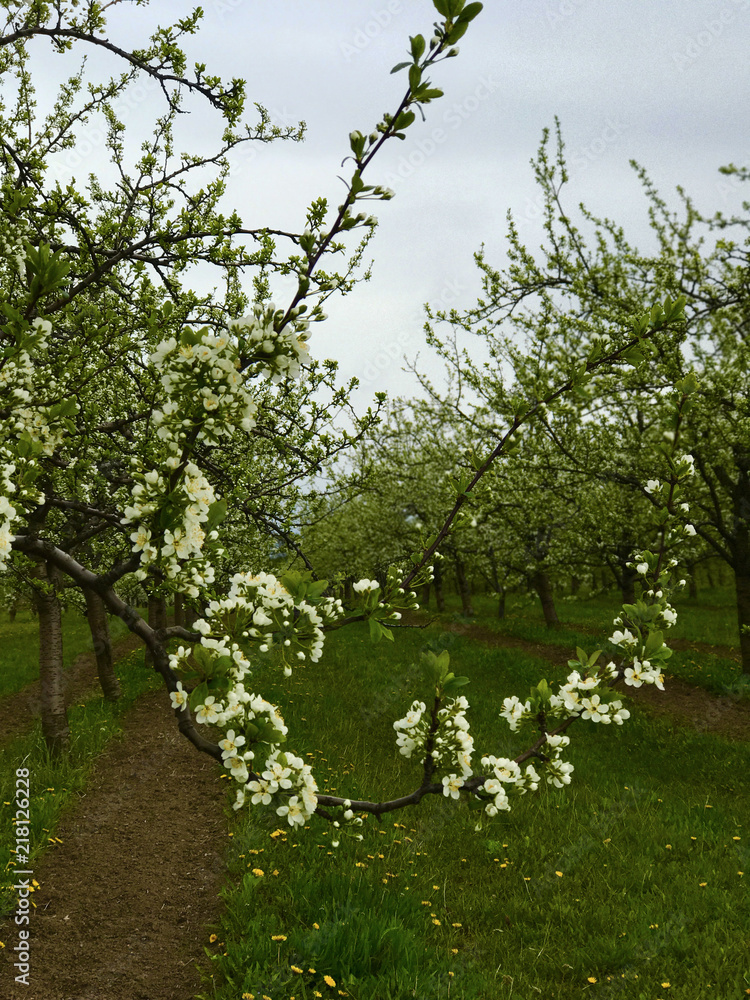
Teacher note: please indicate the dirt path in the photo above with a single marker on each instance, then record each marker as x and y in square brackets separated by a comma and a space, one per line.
[722, 715]
[124, 900]
[18, 711]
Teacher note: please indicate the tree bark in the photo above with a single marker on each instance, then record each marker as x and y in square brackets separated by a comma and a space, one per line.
[438, 586]
[98, 621]
[543, 587]
[464, 590]
[157, 618]
[179, 610]
[742, 583]
[55, 727]
[501, 604]
[627, 584]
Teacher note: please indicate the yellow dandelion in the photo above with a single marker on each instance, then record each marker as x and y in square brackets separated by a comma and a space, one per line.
[736, 838]
[311, 971]
[591, 979]
[456, 925]
[702, 884]
[436, 922]
[316, 926]
[436, 887]
[317, 993]
[329, 981]
[559, 874]
[454, 951]
[665, 986]
[278, 937]
[248, 996]
[668, 847]
[213, 938]
[258, 872]
[296, 968]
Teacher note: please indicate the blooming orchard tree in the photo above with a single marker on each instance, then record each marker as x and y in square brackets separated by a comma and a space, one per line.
[539, 312]
[124, 399]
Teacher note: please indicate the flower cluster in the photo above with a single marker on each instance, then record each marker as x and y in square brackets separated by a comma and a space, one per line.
[558, 772]
[507, 777]
[285, 776]
[277, 351]
[185, 505]
[452, 744]
[29, 429]
[206, 397]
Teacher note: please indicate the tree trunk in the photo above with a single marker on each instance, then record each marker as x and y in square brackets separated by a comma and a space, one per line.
[575, 585]
[463, 588]
[543, 587]
[179, 610]
[98, 621]
[627, 584]
[55, 727]
[13, 611]
[692, 586]
[157, 618]
[437, 583]
[501, 604]
[742, 582]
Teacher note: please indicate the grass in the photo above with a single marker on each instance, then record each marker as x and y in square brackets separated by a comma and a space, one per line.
[54, 781]
[21, 645]
[709, 620]
[628, 884]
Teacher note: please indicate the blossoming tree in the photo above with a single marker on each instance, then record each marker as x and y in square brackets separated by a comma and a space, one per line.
[123, 397]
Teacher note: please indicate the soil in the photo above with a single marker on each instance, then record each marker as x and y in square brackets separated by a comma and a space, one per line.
[125, 900]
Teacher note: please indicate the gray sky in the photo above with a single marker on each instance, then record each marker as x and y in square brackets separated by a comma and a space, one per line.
[663, 81]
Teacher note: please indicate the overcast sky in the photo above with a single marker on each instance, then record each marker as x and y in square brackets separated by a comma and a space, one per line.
[663, 81]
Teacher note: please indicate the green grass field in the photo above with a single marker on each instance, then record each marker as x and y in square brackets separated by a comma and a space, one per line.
[20, 641]
[629, 883]
[710, 620]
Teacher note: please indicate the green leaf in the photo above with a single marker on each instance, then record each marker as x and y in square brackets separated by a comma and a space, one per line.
[417, 47]
[198, 695]
[428, 94]
[415, 76]
[457, 32]
[216, 514]
[400, 66]
[470, 11]
[454, 684]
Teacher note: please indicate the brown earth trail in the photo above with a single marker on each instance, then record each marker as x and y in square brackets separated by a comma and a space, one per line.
[124, 901]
